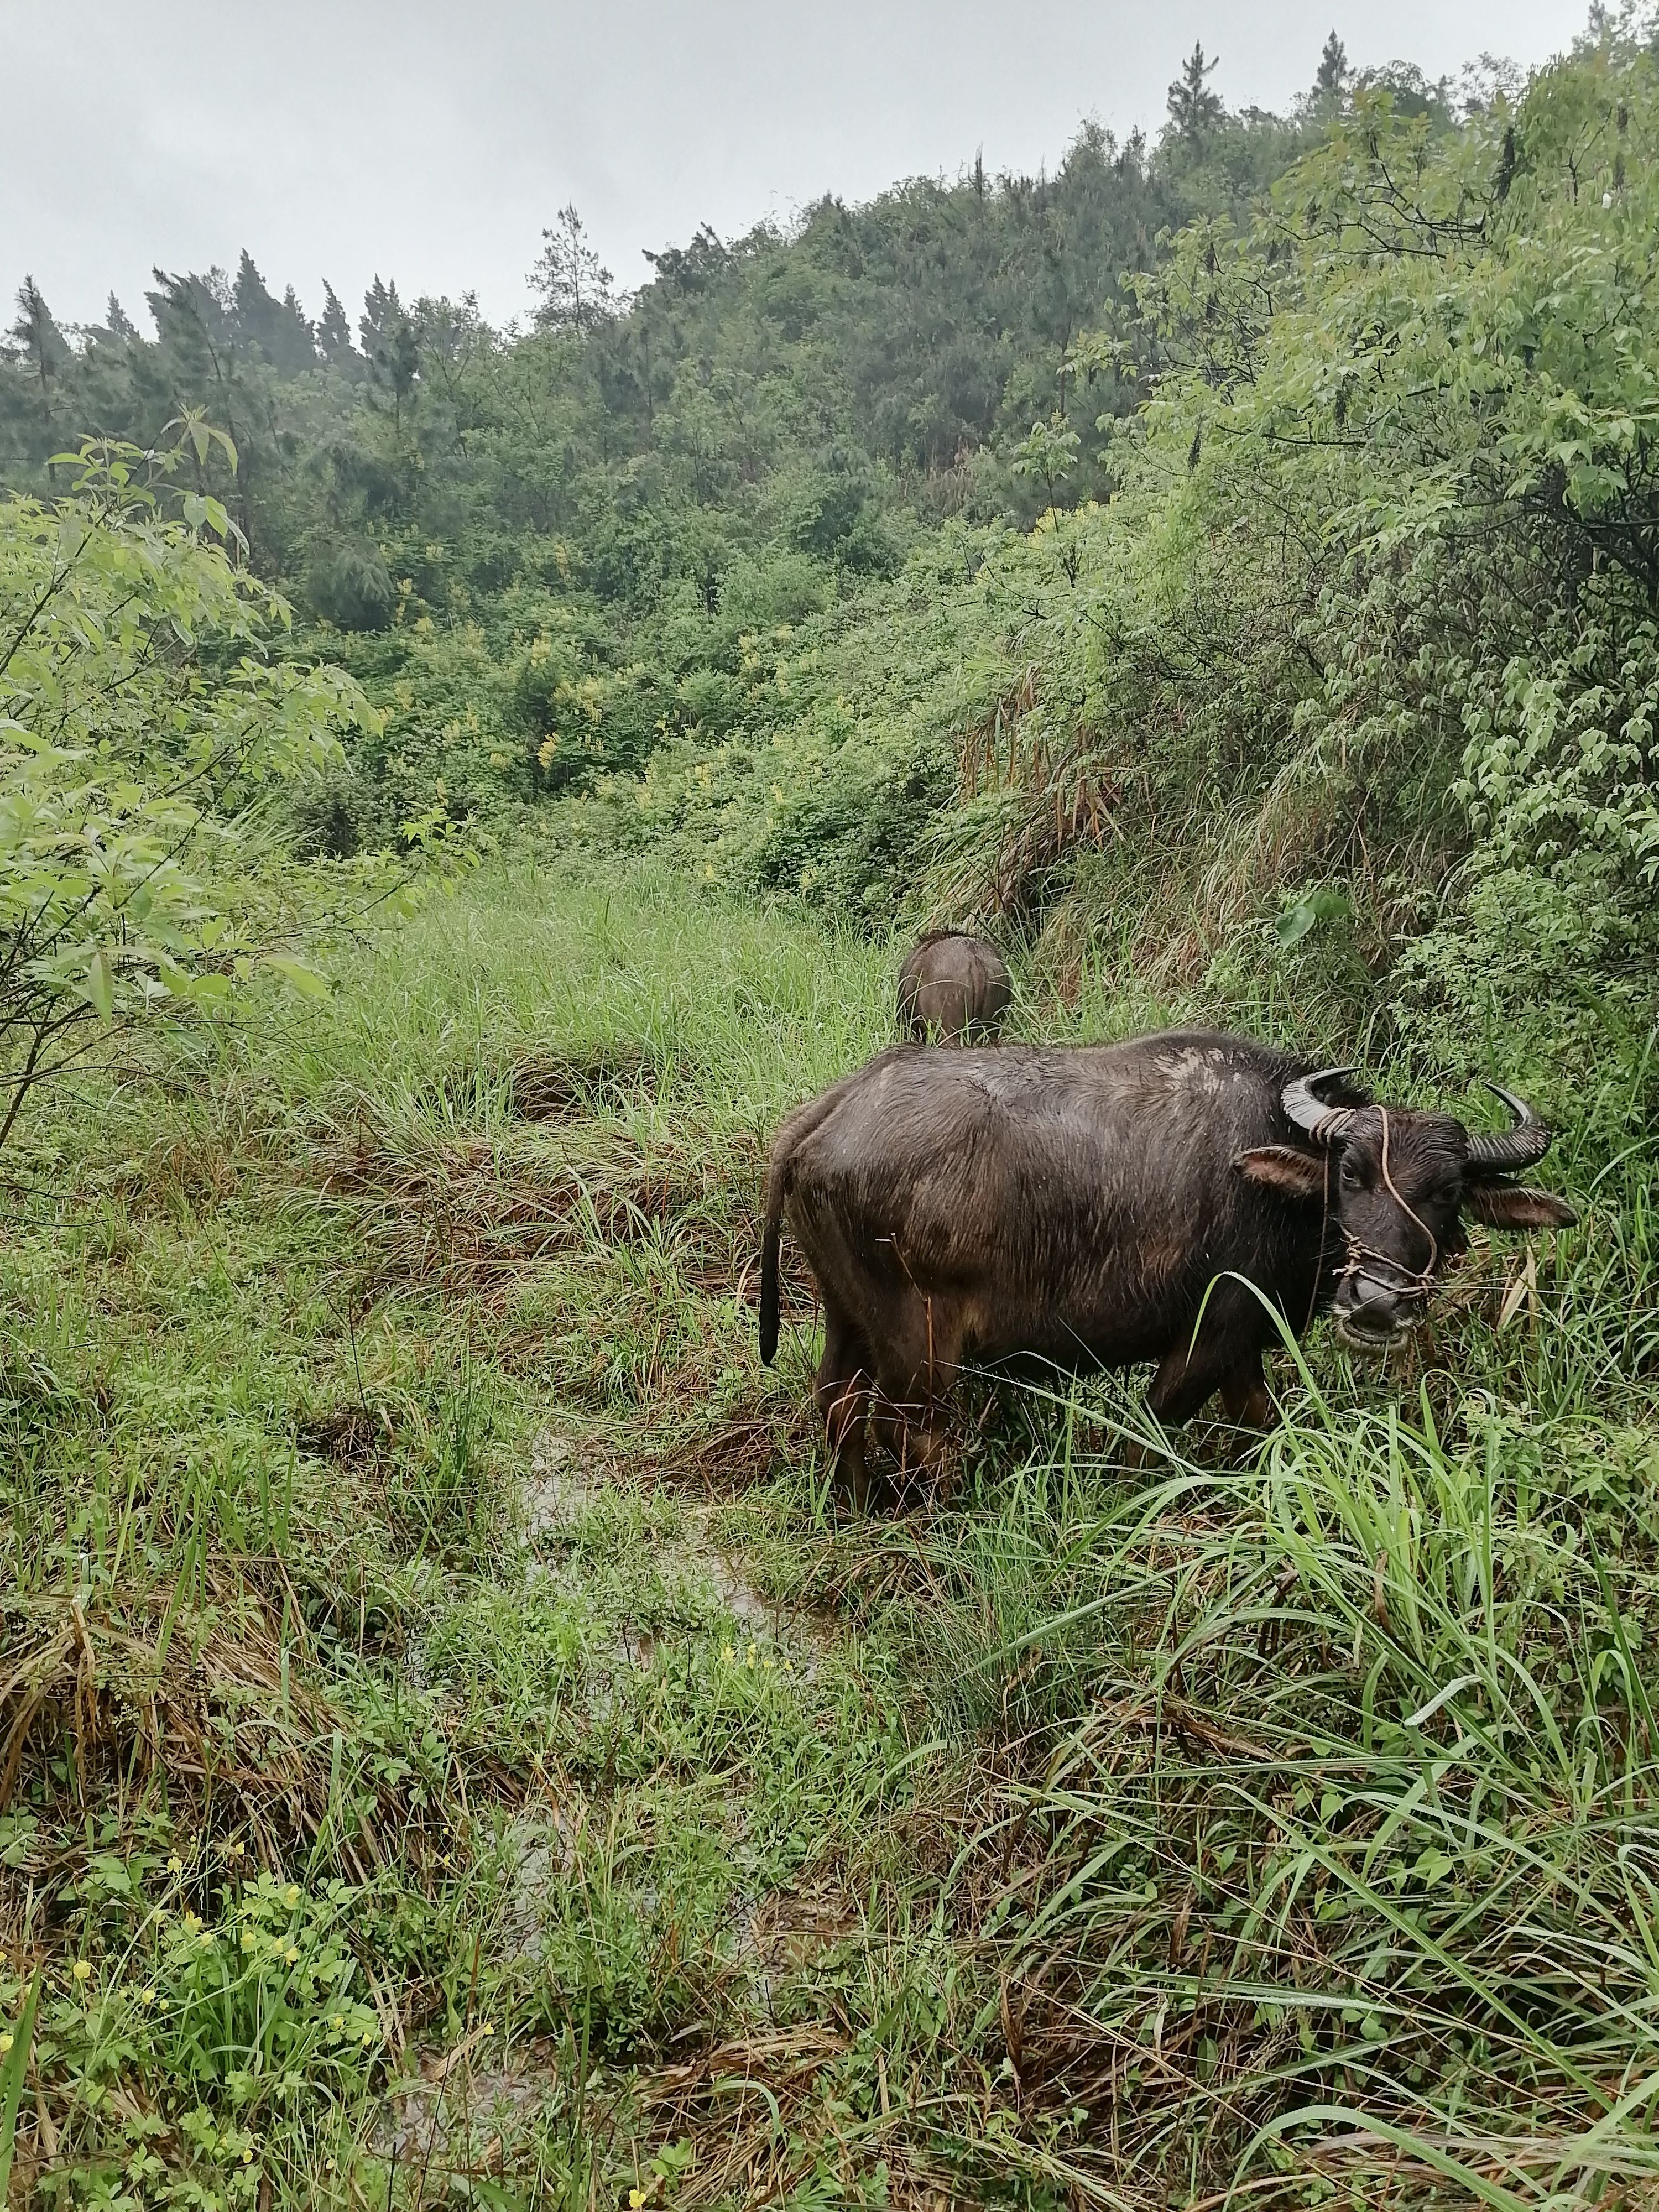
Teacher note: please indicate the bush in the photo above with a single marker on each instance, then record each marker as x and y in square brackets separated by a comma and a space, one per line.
[143, 733]
[347, 586]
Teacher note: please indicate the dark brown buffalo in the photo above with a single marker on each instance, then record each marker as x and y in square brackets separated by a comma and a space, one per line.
[953, 988]
[1098, 1206]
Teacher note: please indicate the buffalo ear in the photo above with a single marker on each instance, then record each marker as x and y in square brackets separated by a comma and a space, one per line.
[1283, 1168]
[1517, 1205]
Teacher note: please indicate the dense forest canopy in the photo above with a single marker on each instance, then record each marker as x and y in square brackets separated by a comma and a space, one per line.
[766, 420]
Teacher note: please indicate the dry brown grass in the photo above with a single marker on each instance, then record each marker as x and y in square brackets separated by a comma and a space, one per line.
[193, 1702]
[468, 1215]
[741, 1451]
[554, 1087]
[762, 2121]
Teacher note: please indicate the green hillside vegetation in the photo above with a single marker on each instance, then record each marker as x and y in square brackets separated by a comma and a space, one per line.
[540, 547]
[460, 789]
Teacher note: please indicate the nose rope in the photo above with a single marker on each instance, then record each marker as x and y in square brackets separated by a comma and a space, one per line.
[1415, 1284]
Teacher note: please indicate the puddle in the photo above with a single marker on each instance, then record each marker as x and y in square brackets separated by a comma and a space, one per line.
[737, 1595]
[474, 2094]
[559, 1488]
[543, 1843]
[562, 1484]
[779, 1934]
[464, 2105]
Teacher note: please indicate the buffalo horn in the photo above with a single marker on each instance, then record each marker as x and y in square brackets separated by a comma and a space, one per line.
[1528, 1141]
[1325, 1124]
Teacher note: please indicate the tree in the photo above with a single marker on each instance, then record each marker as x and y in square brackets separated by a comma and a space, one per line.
[143, 729]
[1195, 110]
[191, 317]
[334, 332]
[44, 348]
[118, 322]
[274, 329]
[1331, 79]
[576, 290]
[390, 345]
[256, 310]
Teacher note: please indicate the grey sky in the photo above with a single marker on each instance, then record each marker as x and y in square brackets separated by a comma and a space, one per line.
[431, 142]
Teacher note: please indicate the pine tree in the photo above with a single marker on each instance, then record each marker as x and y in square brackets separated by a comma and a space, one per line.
[381, 308]
[41, 344]
[255, 309]
[334, 331]
[118, 322]
[193, 329]
[390, 345]
[296, 345]
[1333, 77]
[1194, 108]
[576, 291]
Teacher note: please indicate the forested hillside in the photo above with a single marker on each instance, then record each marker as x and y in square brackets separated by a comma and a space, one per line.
[539, 546]
[934, 553]
[460, 790]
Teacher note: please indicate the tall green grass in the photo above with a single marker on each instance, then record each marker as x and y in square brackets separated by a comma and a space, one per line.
[398, 1513]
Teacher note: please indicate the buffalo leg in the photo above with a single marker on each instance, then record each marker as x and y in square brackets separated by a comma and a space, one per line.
[1244, 1395]
[907, 1429]
[920, 1356]
[1186, 1379]
[843, 1396]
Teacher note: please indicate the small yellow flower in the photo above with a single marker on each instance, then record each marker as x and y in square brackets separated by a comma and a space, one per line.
[248, 1939]
[488, 2026]
[234, 1850]
[175, 1865]
[83, 1970]
[290, 1955]
[636, 2199]
[205, 1940]
[192, 1921]
[5, 2045]
[337, 2022]
[749, 1656]
[247, 2158]
[727, 1651]
[147, 1996]
[291, 1895]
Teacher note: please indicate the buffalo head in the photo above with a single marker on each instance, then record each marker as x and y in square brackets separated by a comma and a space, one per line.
[1395, 1183]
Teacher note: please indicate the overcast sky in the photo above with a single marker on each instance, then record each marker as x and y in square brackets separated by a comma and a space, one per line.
[430, 142]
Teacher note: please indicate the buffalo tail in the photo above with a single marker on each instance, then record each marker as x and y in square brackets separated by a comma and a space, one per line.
[768, 1292]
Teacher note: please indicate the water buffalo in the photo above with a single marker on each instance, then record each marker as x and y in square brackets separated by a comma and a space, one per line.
[954, 987]
[1101, 1205]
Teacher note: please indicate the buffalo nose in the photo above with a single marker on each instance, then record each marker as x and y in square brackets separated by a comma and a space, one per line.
[1370, 1304]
